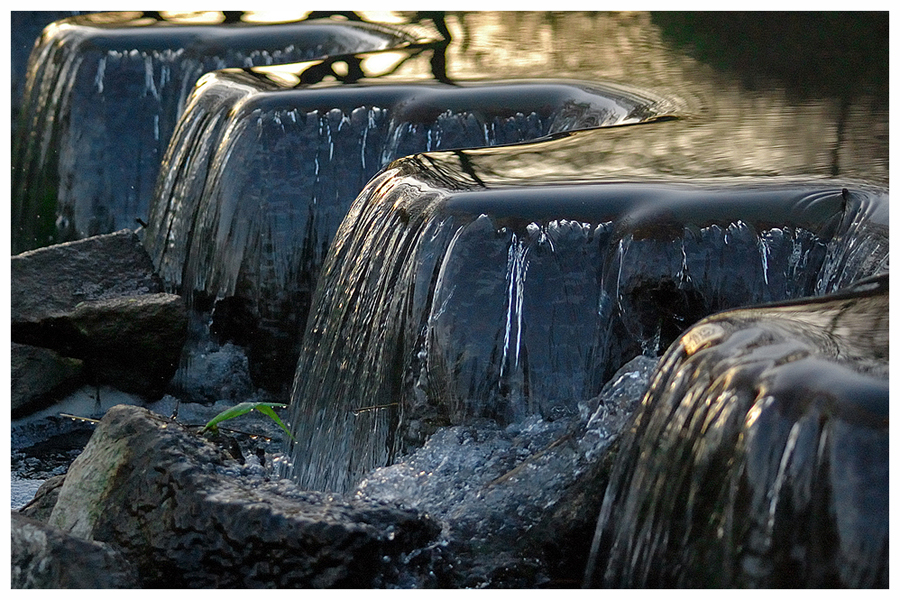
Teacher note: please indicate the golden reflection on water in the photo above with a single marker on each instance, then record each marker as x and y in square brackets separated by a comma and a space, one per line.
[731, 130]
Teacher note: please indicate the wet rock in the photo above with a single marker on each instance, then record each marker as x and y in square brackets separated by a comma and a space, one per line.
[46, 558]
[132, 343]
[39, 376]
[170, 501]
[100, 301]
[216, 373]
[759, 457]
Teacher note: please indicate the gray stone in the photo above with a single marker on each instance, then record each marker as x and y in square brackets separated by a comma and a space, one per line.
[50, 282]
[99, 300]
[131, 342]
[39, 376]
[46, 558]
[171, 502]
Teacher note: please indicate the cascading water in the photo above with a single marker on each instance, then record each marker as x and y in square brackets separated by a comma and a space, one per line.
[759, 456]
[445, 298]
[102, 98]
[860, 246]
[474, 302]
[25, 28]
[264, 167]
[499, 491]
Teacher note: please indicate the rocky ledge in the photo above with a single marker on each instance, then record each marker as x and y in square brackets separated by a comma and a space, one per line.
[91, 311]
[168, 501]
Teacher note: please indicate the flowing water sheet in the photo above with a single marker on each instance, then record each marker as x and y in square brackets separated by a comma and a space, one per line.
[446, 297]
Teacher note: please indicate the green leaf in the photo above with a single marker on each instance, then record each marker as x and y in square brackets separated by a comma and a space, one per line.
[230, 413]
[266, 410]
[242, 409]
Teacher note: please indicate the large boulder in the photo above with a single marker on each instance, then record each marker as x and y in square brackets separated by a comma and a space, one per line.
[171, 502]
[46, 558]
[98, 300]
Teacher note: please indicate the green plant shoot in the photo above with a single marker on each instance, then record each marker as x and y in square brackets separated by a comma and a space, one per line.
[242, 409]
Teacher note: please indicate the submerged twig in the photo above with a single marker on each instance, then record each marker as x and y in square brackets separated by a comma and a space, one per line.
[238, 431]
[362, 409]
[569, 435]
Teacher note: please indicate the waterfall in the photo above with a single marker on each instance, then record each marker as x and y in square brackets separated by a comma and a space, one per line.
[759, 455]
[262, 170]
[566, 320]
[861, 245]
[102, 99]
[443, 300]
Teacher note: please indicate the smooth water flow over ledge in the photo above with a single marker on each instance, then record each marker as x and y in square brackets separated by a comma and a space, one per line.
[446, 299]
[495, 288]
[266, 162]
[759, 456]
[102, 98]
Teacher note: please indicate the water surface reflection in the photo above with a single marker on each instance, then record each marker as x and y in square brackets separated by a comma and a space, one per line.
[808, 107]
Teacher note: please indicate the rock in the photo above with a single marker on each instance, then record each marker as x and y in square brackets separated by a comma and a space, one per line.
[41, 506]
[213, 371]
[132, 342]
[46, 558]
[99, 300]
[170, 501]
[50, 282]
[40, 376]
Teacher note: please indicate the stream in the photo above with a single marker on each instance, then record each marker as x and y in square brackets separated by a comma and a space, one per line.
[465, 249]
